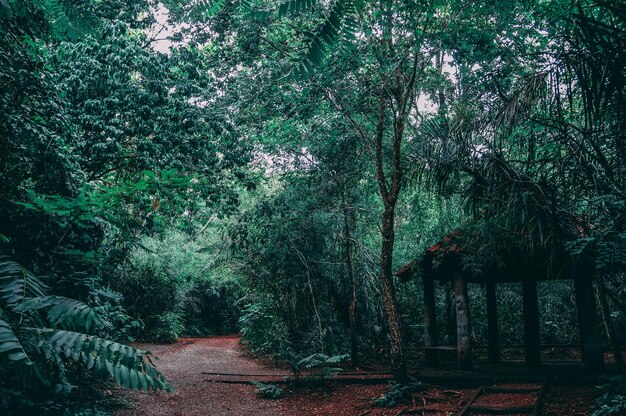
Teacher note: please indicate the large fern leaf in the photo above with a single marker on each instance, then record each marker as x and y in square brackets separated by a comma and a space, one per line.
[129, 367]
[340, 23]
[295, 7]
[64, 312]
[17, 283]
[10, 344]
[67, 18]
[205, 9]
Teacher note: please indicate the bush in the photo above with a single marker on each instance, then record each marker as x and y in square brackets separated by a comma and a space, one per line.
[269, 391]
[177, 286]
[264, 332]
[212, 308]
[399, 393]
[166, 327]
[613, 399]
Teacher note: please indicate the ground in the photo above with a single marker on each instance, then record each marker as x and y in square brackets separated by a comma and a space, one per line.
[183, 363]
[186, 362]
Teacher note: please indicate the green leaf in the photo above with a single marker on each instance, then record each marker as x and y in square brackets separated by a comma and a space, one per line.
[16, 283]
[130, 367]
[9, 342]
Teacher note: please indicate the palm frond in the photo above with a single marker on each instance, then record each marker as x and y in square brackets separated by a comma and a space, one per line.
[130, 367]
[65, 312]
[520, 104]
[17, 283]
[340, 23]
[205, 9]
[9, 343]
[295, 7]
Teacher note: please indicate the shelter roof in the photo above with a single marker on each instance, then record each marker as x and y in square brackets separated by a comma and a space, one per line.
[503, 258]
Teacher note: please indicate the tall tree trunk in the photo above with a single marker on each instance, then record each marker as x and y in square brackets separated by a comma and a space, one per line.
[396, 350]
[354, 358]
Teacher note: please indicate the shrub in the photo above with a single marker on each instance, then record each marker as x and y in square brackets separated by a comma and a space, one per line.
[399, 393]
[269, 391]
[211, 307]
[166, 327]
[176, 286]
[264, 332]
[613, 399]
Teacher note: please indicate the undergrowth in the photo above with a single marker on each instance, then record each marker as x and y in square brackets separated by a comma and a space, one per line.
[613, 400]
[400, 393]
[267, 390]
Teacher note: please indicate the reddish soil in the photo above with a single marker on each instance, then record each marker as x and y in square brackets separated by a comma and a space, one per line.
[569, 400]
[357, 400]
[502, 400]
[184, 362]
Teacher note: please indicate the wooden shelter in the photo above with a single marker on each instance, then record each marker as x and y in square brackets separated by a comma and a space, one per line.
[443, 262]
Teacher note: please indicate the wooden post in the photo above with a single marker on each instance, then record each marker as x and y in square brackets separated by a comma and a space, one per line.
[591, 343]
[608, 323]
[492, 323]
[463, 329]
[450, 312]
[430, 321]
[532, 340]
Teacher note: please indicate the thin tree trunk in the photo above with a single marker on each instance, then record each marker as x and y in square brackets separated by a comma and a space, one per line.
[389, 195]
[389, 192]
[608, 323]
[354, 358]
[313, 302]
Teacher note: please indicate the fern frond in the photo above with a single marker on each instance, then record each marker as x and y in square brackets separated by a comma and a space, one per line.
[17, 283]
[340, 24]
[312, 360]
[206, 9]
[295, 7]
[65, 312]
[129, 367]
[321, 360]
[64, 18]
[9, 343]
[336, 359]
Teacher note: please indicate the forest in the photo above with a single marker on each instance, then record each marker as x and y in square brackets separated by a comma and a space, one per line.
[331, 190]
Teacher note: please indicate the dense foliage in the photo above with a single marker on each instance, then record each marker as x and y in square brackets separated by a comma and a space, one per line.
[210, 167]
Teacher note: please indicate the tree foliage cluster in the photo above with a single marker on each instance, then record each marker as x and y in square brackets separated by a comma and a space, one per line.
[105, 160]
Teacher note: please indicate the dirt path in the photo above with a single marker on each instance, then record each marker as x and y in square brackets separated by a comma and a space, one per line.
[183, 363]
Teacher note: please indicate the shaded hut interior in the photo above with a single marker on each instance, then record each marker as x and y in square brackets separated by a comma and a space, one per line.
[510, 261]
